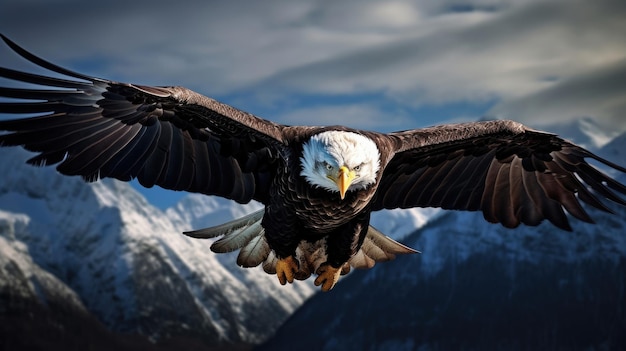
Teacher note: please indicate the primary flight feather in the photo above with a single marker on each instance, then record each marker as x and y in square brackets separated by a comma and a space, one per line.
[318, 184]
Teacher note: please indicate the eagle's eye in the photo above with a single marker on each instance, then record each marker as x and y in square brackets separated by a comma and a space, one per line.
[357, 168]
[328, 166]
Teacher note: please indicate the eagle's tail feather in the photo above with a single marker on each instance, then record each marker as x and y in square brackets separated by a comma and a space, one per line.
[238, 238]
[255, 252]
[269, 265]
[377, 247]
[226, 228]
[247, 235]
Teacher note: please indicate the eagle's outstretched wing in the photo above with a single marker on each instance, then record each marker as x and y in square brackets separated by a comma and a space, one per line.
[509, 172]
[166, 136]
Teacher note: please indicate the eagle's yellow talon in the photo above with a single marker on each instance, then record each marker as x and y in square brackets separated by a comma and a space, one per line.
[286, 269]
[327, 276]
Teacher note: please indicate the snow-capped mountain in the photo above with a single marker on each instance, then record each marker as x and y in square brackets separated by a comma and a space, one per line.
[39, 311]
[118, 258]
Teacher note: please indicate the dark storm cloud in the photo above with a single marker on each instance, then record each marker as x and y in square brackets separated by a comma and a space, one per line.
[411, 52]
[535, 36]
[596, 93]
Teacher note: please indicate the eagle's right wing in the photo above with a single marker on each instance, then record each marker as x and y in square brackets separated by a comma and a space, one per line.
[166, 136]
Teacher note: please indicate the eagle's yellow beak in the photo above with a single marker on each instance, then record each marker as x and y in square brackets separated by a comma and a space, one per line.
[344, 179]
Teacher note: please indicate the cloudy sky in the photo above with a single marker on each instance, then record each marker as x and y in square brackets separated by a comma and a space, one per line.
[381, 65]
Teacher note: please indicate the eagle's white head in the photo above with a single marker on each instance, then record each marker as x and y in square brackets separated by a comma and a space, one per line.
[340, 161]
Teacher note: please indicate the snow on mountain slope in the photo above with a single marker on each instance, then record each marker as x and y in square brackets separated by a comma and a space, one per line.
[197, 211]
[468, 234]
[23, 278]
[398, 223]
[38, 311]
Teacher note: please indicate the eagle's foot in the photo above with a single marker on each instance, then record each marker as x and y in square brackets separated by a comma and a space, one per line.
[327, 276]
[286, 269]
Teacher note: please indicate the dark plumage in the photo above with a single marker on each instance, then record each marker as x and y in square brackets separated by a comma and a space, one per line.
[318, 184]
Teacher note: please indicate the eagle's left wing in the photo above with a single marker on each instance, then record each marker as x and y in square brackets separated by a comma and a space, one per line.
[509, 172]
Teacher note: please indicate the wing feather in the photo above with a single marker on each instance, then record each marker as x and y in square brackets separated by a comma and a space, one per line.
[522, 202]
[87, 160]
[487, 204]
[451, 196]
[150, 172]
[203, 178]
[377, 247]
[596, 180]
[100, 158]
[128, 161]
[532, 207]
[254, 252]
[431, 191]
[470, 189]
[502, 202]
[175, 157]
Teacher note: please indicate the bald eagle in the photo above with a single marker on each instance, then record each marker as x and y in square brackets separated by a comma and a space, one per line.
[318, 184]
